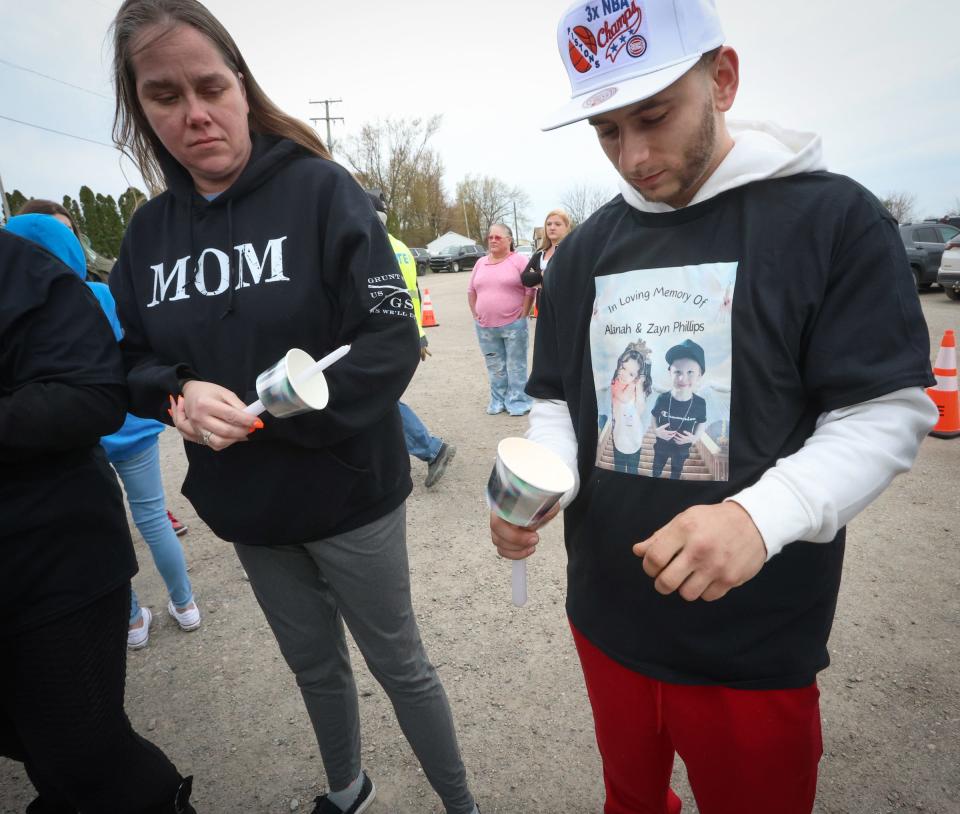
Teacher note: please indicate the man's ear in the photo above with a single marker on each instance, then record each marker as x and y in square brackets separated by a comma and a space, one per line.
[726, 78]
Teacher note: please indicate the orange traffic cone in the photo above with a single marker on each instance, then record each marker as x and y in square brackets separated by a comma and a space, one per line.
[945, 395]
[427, 313]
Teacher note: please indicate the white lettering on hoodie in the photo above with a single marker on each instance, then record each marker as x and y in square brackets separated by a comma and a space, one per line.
[200, 280]
[246, 256]
[161, 283]
[274, 251]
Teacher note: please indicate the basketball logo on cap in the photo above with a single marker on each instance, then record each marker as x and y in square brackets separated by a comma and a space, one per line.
[583, 48]
[636, 46]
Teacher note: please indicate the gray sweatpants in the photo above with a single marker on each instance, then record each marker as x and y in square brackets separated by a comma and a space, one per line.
[361, 577]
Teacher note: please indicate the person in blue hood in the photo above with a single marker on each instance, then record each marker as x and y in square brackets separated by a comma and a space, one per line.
[260, 243]
[134, 452]
[66, 557]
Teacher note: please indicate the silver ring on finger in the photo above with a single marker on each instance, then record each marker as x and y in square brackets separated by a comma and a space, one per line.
[205, 436]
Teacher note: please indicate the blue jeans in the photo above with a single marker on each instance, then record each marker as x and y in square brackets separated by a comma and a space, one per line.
[141, 481]
[504, 350]
[420, 443]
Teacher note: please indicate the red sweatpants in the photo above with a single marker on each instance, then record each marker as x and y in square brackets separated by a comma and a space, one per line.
[746, 751]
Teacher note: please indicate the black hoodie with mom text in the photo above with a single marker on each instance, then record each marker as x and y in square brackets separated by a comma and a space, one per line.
[292, 255]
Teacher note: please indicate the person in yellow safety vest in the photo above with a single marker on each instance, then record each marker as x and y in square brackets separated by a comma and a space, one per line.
[435, 452]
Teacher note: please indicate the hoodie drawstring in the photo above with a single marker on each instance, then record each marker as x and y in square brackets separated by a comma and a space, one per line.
[230, 287]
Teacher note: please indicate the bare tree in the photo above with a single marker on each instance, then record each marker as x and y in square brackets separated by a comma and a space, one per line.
[900, 205]
[394, 156]
[582, 200]
[484, 200]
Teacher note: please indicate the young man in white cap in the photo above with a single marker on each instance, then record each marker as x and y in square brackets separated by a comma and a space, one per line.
[701, 607]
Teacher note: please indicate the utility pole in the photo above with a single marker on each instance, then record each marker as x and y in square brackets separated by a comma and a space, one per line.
[466, 223]
[516, 231]
[327, 118]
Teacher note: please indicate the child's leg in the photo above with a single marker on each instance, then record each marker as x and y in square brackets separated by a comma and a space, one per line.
[660, 457]
[637, 751]
[141, 481]
[747, 750]
[677, 460]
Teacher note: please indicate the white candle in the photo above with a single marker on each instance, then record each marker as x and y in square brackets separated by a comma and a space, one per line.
[321, 364]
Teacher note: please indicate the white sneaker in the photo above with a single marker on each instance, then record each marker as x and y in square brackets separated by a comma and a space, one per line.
[188, 618]
[137, 637]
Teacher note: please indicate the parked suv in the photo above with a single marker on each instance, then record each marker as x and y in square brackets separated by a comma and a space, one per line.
[457, 258]
[949, 275]
[422, 259]
[924, 243]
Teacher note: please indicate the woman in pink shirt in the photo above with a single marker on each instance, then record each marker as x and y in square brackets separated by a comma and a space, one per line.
[500, 304]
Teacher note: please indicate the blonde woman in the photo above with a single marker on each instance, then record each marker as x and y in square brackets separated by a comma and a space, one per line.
[555, 228]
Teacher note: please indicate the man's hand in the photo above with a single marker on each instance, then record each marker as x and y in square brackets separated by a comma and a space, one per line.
[704, 552]
[684, 438]
[514, 542]
[424, 352]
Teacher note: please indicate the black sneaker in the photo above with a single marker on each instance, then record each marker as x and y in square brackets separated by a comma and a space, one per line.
[438, 465]
[368, 792]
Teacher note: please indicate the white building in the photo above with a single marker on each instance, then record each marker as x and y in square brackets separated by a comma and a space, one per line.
[448, 239]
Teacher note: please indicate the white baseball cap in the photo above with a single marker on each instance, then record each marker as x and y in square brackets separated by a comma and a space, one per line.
[618, 52]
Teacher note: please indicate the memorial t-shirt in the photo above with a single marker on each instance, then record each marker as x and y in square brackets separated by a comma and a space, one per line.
[798, 293]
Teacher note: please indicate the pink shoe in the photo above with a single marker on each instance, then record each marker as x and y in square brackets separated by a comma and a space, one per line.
[178, 528]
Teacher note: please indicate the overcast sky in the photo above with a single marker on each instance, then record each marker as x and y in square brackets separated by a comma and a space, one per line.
[877, 79]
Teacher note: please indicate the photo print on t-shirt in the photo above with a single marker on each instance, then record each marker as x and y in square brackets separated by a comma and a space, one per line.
[661, 345]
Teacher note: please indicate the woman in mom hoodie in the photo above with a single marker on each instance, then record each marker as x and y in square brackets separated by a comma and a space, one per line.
[260, 243]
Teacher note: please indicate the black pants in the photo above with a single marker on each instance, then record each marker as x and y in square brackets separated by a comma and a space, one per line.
[61, 714]
[676, 454]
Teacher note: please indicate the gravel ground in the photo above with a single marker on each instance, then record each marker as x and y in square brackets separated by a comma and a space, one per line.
[223, 705]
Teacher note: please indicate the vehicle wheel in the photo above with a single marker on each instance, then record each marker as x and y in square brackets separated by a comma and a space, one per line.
[951, 292]
[916, 278]
[456, 266]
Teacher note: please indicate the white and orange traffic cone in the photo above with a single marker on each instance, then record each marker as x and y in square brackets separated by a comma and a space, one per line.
[945, 394]
[428, 315]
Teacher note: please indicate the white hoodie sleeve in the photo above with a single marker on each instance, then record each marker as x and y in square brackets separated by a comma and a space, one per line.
[852, 456]
[552, 426]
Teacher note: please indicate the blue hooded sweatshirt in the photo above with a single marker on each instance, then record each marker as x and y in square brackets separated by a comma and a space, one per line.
[136, 434]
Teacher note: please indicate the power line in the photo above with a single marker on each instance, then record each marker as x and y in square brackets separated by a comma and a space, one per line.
[54, 79]
[58, 132]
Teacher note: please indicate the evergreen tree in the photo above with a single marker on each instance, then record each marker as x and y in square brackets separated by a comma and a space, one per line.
[15, 200]
[111, 224]
[91, 218]
[128, 203]
[74, 209]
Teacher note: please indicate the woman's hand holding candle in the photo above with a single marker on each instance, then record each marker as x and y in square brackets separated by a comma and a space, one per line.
[212, 415]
